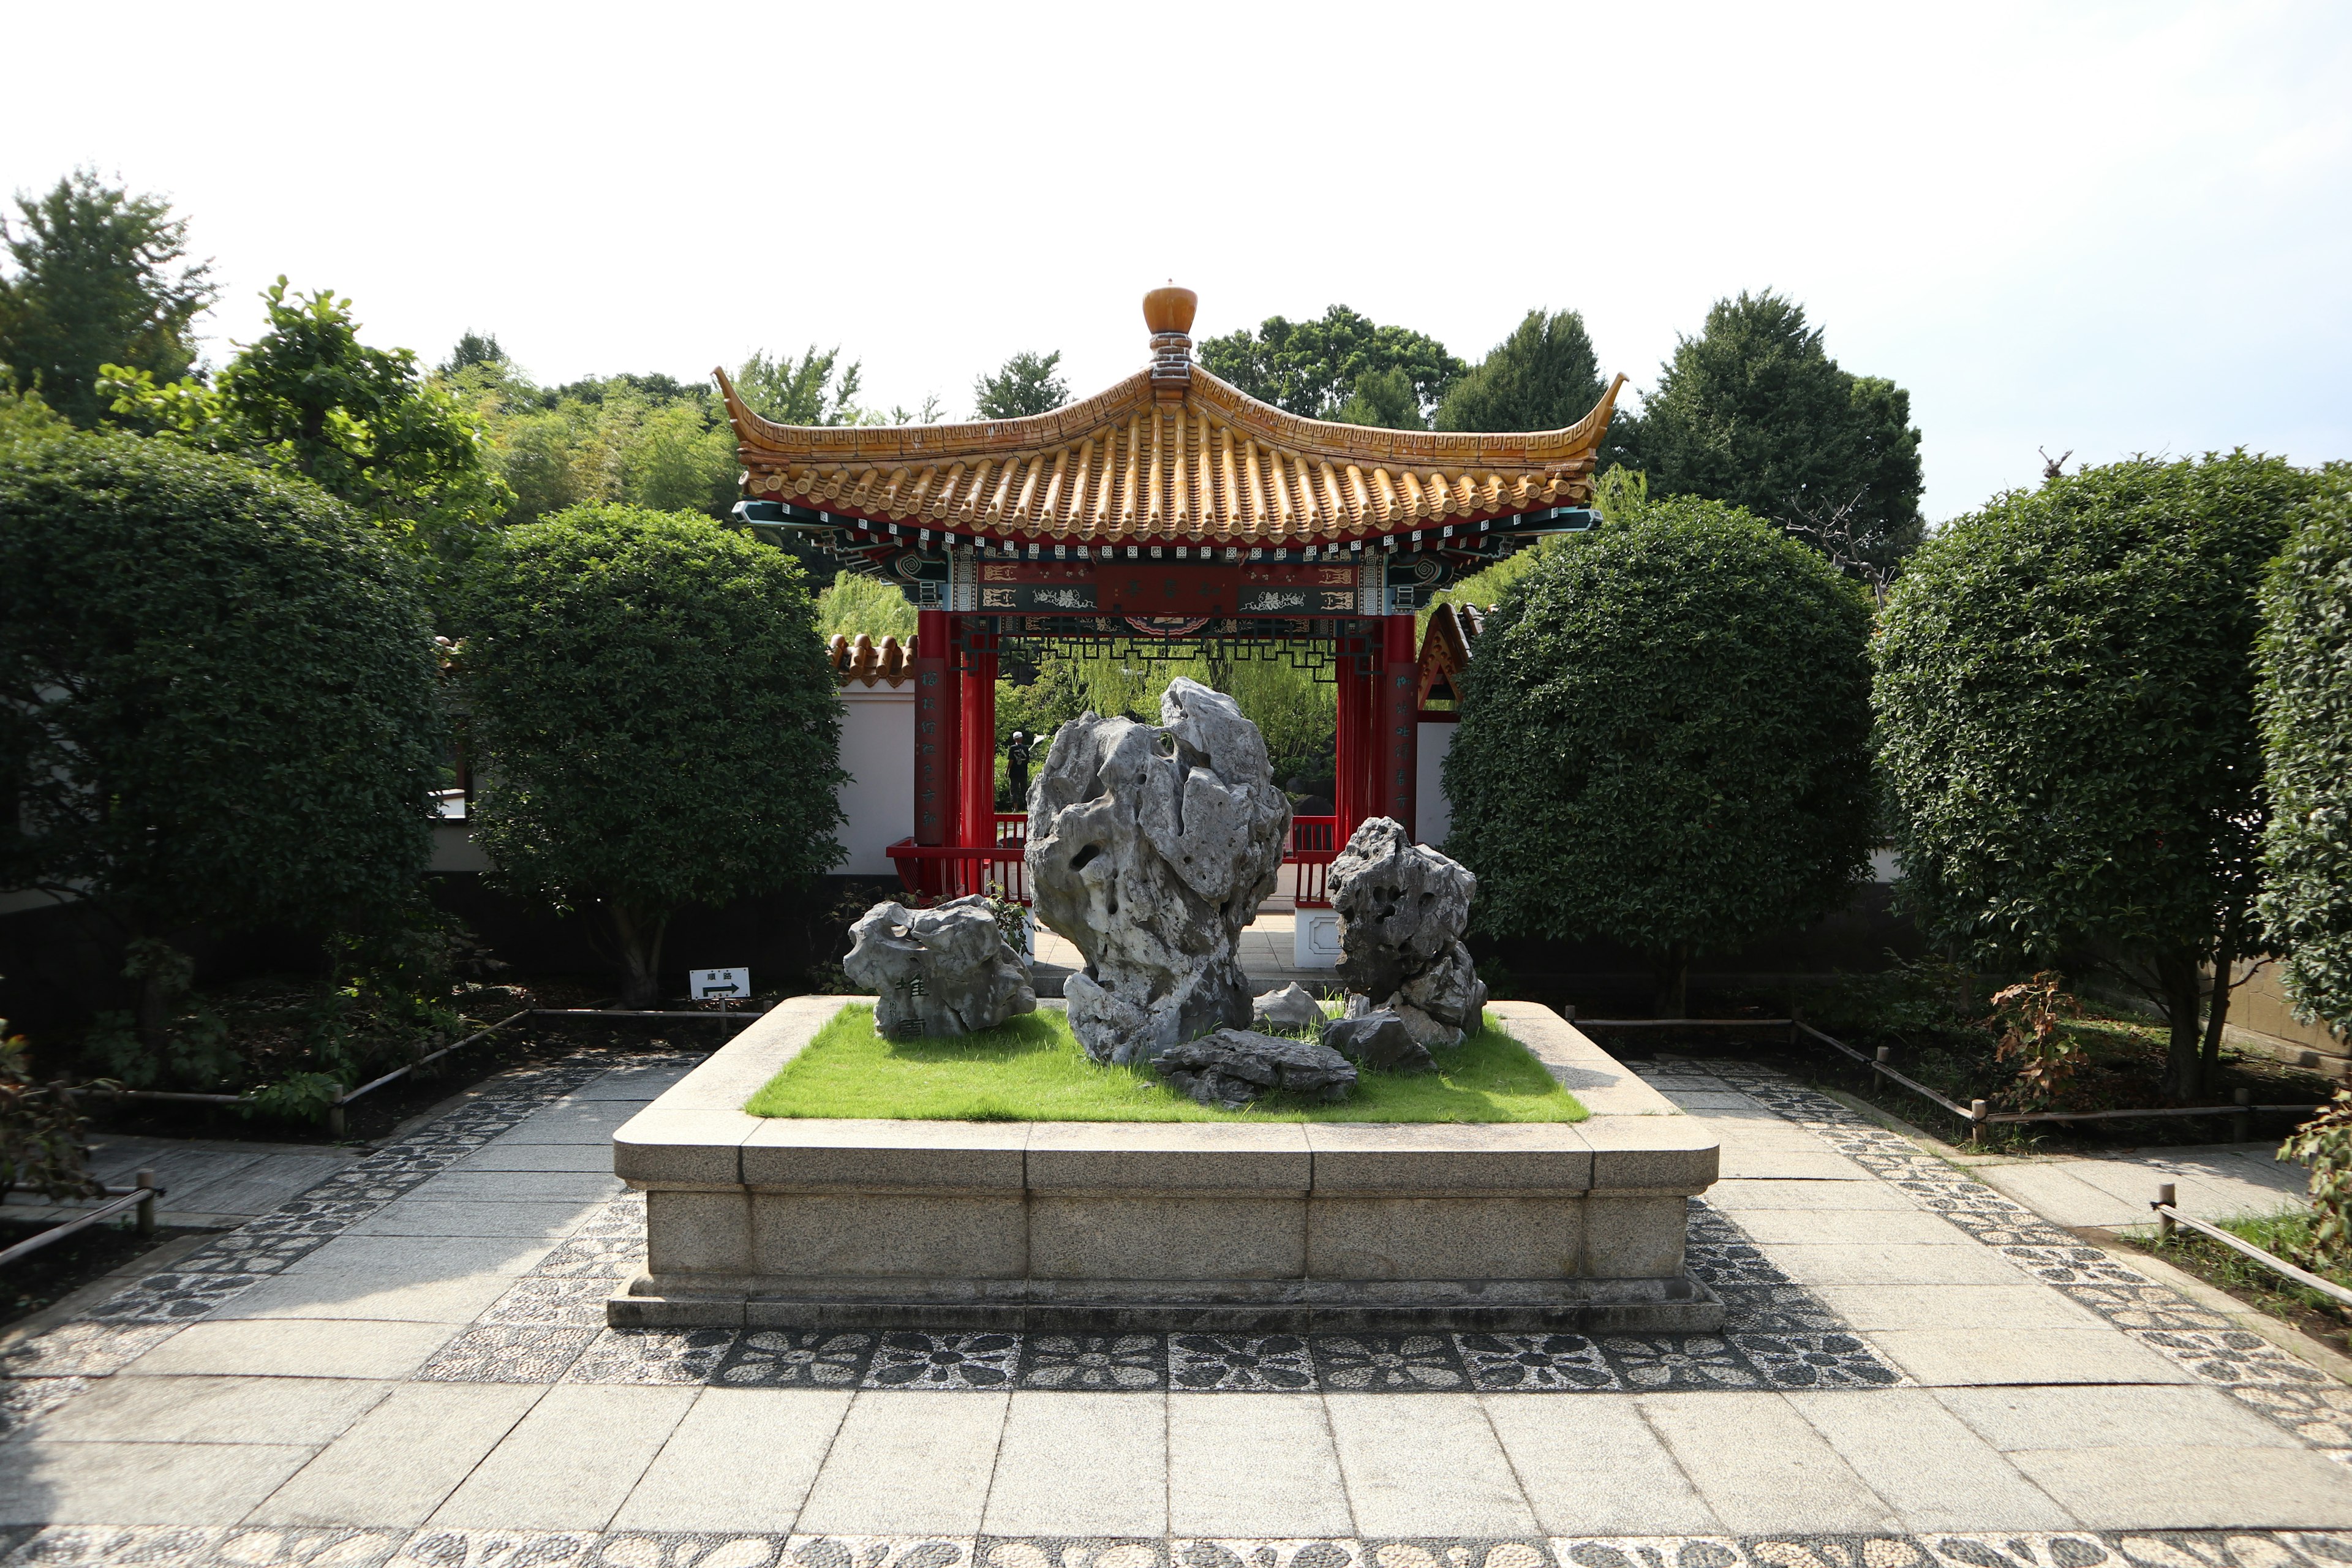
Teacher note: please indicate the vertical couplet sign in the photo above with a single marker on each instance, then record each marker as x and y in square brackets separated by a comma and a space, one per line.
[936, 729]
[1400, 721]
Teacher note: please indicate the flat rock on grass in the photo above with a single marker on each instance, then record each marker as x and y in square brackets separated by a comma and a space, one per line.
[1379, 1040]
[1232, 1066]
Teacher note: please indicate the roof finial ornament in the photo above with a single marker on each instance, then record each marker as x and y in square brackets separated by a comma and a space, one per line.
[1167, 312]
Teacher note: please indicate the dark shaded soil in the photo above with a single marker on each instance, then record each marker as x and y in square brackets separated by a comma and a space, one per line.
[58, 1270]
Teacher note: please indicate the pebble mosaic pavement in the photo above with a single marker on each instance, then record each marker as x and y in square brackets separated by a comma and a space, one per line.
[548, 1328]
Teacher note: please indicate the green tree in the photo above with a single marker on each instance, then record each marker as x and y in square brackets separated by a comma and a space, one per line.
[2065, 700]
[1312, 368]
[1753, 411]
[473, 348]
[1383, 397]
[656, 720]
[1663, 740]
[814, 389]
[98, 282]
[217, 696]
[855, 603]
[308, 397]
[1544, 376]
[1026, 384]
[2306, 719]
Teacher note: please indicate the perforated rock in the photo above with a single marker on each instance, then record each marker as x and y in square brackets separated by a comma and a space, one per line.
[1149, 848]
[1402, 909]
[941, 971]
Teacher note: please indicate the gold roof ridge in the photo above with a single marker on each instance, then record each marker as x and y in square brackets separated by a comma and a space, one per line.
[1134, 462]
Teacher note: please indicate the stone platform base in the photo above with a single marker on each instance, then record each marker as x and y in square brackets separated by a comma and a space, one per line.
[1213, 1227]
[1154, 1306]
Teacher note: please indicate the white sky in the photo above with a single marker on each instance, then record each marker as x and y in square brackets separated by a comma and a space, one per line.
[2104, 228]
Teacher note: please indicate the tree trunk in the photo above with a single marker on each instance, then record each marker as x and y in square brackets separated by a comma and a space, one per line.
[2184, 1066]
[154, 1015]
[2217, 1013]
[640, 937]
[1671, 970]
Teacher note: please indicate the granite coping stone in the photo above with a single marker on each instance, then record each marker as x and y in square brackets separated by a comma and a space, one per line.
[697, 1136]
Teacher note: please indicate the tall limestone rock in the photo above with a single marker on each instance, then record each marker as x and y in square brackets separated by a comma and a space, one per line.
[1150, 848]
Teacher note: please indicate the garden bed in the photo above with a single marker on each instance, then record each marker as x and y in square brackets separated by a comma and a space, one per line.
[1227, 1223]
[1032, 1069]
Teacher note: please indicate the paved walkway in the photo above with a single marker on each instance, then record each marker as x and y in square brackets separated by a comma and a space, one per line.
[408, 1365]
[2214, 1181]
[209, 1183]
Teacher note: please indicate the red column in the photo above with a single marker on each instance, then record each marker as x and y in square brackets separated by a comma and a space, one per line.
[937, 725]
[1359, 758]
[978, 683]
[1400, 710]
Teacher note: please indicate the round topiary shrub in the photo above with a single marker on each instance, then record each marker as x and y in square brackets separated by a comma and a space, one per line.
[2307, 718]
[2065, 701]
[217, 699]
[1663, 740]
[656, 716]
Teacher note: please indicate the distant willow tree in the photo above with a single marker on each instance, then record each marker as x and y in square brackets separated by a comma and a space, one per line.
[101, 279]
[1312, 368]
[1753, 411]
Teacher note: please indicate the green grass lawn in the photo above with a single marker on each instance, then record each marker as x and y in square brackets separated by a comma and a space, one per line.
[1034, 1069]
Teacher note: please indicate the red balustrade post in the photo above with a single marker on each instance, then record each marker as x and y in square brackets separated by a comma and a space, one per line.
[1400, 711]
[938, 725]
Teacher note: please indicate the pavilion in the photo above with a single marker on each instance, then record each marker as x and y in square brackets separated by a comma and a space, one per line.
[1169, 514]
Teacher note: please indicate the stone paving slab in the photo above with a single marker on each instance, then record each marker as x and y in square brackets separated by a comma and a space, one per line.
[1842, 1426]
[2214, 1181]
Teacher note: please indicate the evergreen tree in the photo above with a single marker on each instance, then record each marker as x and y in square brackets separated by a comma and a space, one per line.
[1544, 376]
[98, 282]
[1753, 411]
[1026, 384]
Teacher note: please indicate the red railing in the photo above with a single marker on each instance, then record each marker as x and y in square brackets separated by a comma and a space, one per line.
[1314, 844]
[955, 870]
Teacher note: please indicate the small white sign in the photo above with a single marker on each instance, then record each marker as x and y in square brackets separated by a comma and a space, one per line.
[708, 983]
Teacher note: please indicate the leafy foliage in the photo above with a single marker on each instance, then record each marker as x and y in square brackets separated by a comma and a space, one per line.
[855, 603]
[98, 282]
[1026, 384]
[1663, 739]
[2307, 718]
[216, 692]
[308, 397]
[814, 389]
[2325, 1145]
[1386, 398]
[1753, 411]
[2026, 1019]
[657, 719]
[40, 1132]
[1544, 376]
[1312, 368]
[2065, 706]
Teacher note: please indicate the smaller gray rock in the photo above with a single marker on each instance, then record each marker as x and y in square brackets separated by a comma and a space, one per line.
[1292, 1008]
[941, 971]
[1379, 1041]
[1232, 1066]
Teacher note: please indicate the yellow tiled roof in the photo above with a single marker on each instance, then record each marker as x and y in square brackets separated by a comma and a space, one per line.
[1171, 453]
